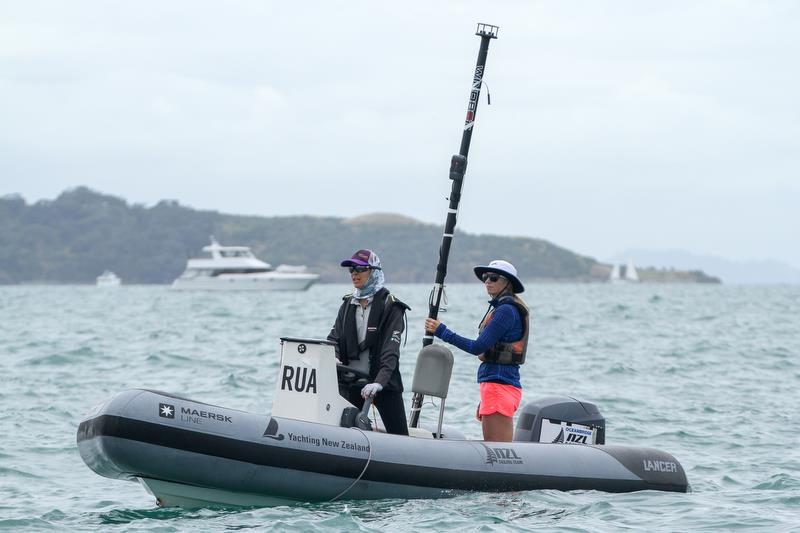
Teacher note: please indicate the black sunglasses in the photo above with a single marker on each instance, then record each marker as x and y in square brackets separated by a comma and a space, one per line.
[361, 269]
[494, 278]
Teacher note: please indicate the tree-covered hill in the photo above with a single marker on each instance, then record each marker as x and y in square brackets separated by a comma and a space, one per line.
[81, 233]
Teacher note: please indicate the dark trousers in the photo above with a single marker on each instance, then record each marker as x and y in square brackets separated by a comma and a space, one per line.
[389, 404]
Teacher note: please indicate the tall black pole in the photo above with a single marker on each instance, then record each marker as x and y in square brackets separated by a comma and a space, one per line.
[458, 167]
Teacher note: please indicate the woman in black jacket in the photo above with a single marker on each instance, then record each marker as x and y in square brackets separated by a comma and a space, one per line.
[367, 334]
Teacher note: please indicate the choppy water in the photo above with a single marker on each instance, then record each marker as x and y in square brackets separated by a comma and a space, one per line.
[710, 374]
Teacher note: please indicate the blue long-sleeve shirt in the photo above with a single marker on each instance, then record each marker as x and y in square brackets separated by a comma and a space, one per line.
[505, 326]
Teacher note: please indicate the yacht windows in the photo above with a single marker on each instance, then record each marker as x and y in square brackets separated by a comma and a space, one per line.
[218, 271]
[235, 253]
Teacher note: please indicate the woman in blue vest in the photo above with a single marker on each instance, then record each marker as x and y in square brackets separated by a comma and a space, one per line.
[367, 334]
[501, 346]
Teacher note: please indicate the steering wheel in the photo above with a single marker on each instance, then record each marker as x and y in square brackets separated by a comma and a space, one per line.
[350, 375]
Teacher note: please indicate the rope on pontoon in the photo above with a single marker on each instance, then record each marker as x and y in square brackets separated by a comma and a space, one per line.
[356, 480]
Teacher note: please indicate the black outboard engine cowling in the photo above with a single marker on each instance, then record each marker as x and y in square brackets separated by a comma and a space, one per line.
[560, 419]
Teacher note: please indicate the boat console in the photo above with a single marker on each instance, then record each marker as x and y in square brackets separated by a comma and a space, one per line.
[310, 378]
[307, 388]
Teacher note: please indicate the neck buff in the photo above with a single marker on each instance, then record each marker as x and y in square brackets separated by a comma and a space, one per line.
[375, 281]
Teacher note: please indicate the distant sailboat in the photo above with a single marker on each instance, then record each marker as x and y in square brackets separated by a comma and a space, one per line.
[630, 272]
[624, 274]
[614, 277]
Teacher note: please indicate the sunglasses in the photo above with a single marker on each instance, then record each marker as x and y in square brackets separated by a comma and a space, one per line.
[494, 278]
[360, 269]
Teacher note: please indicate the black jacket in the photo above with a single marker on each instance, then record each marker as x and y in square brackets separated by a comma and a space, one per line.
[385, 328]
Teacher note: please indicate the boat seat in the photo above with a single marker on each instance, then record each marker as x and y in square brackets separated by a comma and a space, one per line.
[432, 377]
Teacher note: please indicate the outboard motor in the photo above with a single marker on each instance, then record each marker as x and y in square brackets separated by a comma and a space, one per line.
[560, 419]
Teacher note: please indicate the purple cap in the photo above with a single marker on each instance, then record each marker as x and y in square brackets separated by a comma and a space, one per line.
[360, 258]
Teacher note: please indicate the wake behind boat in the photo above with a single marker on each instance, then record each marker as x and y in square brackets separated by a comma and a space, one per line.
[236, 268]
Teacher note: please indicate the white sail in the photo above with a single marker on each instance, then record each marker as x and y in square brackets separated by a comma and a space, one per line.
[630, 272]
[614, 273]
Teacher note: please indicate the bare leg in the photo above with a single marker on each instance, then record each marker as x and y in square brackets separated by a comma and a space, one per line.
[497, 427]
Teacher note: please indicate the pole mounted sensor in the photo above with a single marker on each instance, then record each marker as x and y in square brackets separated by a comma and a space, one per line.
[487, 30]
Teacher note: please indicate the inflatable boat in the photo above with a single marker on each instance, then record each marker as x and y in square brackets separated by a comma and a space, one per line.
[317, 447]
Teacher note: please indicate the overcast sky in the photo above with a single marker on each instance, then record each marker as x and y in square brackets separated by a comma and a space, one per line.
[613, 125]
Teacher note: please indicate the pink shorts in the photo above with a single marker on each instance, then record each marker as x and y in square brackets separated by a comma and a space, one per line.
[499, 398]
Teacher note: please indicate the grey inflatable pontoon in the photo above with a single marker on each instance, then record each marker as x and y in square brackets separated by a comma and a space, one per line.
[317, 447]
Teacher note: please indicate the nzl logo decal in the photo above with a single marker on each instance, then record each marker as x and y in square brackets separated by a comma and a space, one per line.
[299, 379]
[576, 439]
[504, 456]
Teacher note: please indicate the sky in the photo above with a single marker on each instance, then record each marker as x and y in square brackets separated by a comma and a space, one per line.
[612, 125]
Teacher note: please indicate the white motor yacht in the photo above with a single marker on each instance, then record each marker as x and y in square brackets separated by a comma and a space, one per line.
[236, 268]
[108, 279]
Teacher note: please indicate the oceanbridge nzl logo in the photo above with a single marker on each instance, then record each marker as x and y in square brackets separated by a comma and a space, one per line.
[503, 456]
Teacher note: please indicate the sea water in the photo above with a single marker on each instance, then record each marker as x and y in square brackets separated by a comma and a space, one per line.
[709, 373]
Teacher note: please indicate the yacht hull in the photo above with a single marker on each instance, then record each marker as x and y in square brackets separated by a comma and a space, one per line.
[244, 282]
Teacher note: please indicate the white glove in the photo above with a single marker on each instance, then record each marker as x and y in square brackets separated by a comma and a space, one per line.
[371, 390]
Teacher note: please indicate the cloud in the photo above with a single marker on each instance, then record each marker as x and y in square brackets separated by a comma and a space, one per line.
[640, 110]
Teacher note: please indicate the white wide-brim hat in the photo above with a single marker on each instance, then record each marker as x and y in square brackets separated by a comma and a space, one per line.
[505, 269]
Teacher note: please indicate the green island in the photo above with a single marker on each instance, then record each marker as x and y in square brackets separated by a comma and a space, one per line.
[81, 233]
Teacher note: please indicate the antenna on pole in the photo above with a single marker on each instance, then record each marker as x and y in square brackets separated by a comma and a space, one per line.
[487, 30]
